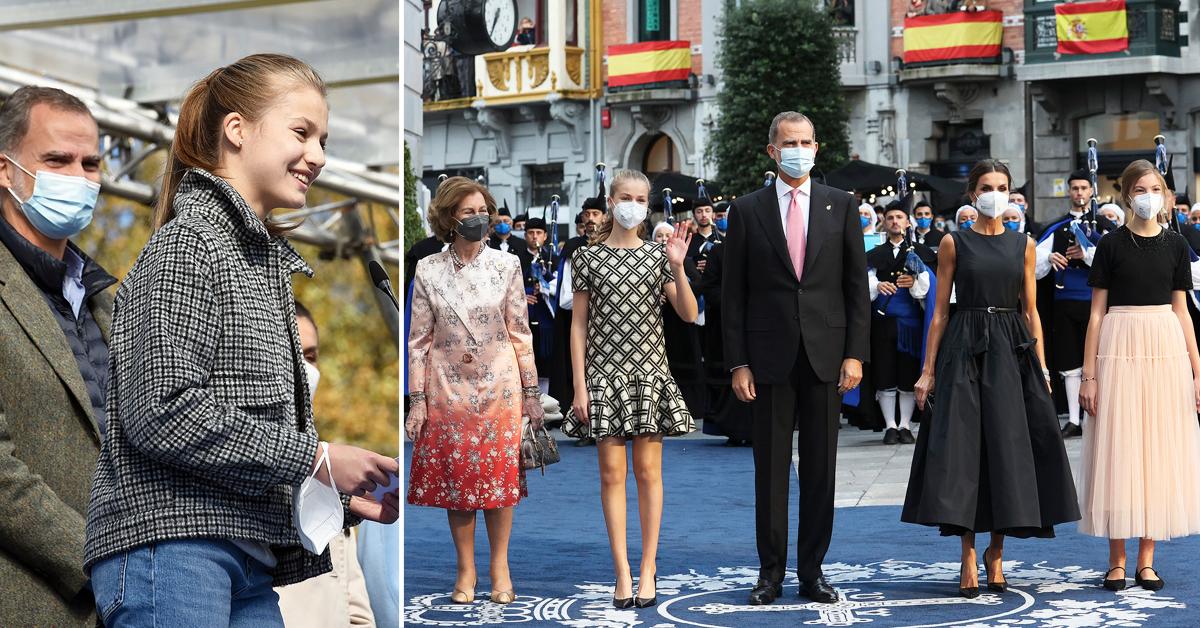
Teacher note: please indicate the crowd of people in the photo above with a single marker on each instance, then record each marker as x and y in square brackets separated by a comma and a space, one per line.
[794, 306]
[157, 448]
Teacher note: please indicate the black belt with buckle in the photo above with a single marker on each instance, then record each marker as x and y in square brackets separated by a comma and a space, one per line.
[989, 309]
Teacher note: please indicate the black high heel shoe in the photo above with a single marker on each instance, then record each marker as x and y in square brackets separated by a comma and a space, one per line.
[1149, 585]
[647, 602]
[968, 592]
[1116, 584]
[622, 602]
[999, 587]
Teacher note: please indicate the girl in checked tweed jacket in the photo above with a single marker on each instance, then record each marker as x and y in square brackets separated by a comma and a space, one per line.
[210, 424]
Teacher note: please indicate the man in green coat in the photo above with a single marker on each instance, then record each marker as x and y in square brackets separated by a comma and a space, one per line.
[55, 314]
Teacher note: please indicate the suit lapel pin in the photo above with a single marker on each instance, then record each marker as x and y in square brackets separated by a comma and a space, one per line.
[828, 207]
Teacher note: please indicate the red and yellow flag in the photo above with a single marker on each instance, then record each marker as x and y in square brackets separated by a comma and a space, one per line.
[649, 62]
[1092, 27]
[953, 36]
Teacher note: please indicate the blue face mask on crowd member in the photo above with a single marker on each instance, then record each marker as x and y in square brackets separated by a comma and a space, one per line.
[1196, 226]
[1182, 217]
[863, 221]
[503, 228]
[722, 224]
[518, 233]
[61, 205]
[966, 224]
[796, 161]
[1012, 225]
[1021, 205]
[923, 223]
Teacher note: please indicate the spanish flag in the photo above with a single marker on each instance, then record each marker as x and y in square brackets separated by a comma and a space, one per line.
[1092, 27]
[956, 36]
[649, 62]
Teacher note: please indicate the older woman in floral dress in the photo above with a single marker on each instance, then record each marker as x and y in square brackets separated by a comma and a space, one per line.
[471, 378]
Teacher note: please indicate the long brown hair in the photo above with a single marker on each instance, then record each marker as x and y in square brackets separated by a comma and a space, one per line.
[248, 86]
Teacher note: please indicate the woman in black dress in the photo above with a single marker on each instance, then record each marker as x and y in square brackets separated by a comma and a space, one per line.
[991, 458]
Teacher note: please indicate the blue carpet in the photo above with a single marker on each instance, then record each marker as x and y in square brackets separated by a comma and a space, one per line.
[887, 573]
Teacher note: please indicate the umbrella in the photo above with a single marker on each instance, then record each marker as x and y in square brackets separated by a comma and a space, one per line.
[868, 178]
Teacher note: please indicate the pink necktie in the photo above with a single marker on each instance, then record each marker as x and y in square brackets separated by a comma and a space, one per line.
[795, 234]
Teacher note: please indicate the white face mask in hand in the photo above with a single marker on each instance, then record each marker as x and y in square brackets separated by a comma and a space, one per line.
[317, 508]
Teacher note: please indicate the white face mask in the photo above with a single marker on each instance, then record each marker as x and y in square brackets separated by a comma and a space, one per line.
[314, 377]
[317, 509]
[629, 214]
[1147, 205]
[992, 204]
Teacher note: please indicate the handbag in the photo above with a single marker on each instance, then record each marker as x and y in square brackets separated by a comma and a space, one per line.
[538, 449]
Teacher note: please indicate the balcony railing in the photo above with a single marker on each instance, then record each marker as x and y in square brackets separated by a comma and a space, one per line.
[526, 73]
[847, 40]
[448, 75]
[1153, 27]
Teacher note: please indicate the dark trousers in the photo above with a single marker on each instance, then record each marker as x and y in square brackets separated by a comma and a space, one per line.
[811, 406]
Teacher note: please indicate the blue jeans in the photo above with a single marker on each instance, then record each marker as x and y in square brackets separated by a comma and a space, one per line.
[193, 582]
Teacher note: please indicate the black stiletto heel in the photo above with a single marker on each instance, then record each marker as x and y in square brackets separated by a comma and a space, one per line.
[622, 602]
[999, 587]
[968, 592]
[647, 602]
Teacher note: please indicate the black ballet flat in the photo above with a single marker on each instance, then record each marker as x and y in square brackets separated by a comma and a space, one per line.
[968, 592]
[647, 602]
[1149, 585]
[998, 587]
[1117, 584]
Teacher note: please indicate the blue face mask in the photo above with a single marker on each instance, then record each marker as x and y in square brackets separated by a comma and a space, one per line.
[796, 161]
[722, 224]
[1012, 226]
[863, 221]
[503, 228]
[1021, 205]
[518, 233]
[923, 223]
[1182, 217]
[1196, 226]
[966, 224]
[60, 206]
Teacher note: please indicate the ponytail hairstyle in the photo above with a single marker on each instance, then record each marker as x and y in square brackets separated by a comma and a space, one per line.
[249, 86]
[620, 179]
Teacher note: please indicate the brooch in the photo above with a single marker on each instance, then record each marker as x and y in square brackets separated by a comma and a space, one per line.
[828, 207]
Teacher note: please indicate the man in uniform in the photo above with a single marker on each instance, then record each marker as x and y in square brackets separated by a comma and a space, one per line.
[1064, 298]
[538, 293]
[897, 322]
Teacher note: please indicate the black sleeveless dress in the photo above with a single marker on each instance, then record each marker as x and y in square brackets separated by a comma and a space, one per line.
[991, 458]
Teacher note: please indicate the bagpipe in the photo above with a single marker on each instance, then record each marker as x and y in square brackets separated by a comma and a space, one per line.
[913, 264]
[1083, 232]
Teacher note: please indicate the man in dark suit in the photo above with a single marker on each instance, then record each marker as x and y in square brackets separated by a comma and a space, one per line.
[797, 323]
[55, 314]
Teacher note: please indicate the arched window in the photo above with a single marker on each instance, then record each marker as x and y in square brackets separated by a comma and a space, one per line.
[660, 156]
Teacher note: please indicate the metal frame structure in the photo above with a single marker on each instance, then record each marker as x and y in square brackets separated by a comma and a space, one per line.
[131, 132]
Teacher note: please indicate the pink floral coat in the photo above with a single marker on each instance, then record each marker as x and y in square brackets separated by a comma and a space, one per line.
[470, 352]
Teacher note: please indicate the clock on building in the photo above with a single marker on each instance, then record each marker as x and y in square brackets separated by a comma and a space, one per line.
[475, 27]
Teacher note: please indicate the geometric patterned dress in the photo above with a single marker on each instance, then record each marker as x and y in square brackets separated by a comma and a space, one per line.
[629, 382]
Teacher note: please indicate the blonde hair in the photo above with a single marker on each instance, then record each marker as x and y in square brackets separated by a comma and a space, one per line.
[621, 178]
[450, 193]
[248, 86]
[1130, 176]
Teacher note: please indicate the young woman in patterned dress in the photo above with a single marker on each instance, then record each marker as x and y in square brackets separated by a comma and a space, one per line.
[623, 386]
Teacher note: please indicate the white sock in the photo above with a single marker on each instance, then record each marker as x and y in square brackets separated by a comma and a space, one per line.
[1071, 381]
[887, 404]
[908, 401]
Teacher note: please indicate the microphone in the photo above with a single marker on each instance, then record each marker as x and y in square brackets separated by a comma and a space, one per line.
[379, 277]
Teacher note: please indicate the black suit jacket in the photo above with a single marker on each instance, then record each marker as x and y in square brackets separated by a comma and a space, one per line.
[769, 315]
